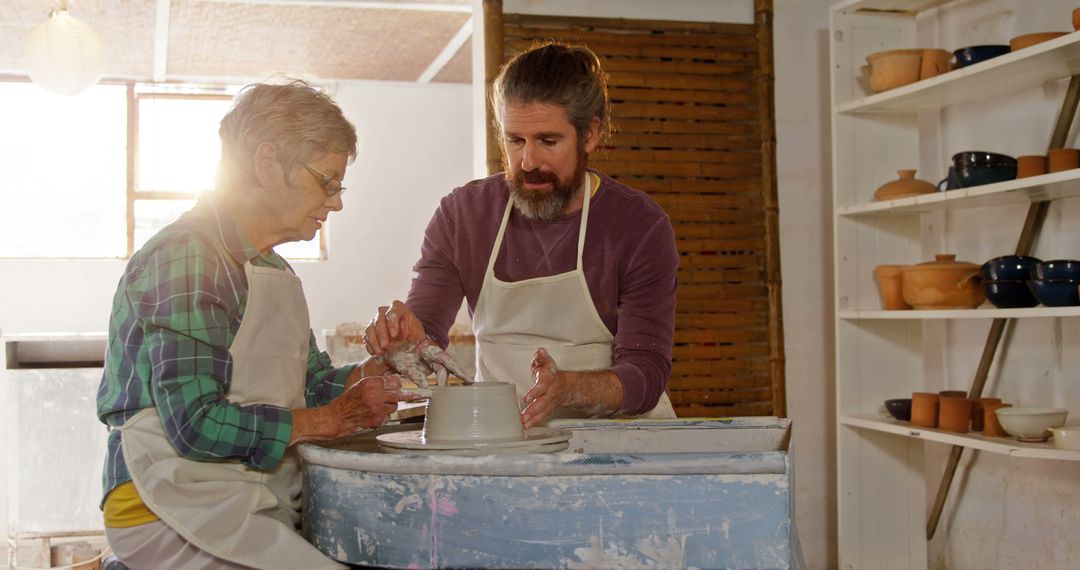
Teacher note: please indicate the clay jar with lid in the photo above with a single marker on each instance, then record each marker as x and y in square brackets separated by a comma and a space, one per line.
[943, 284]
[904, 186]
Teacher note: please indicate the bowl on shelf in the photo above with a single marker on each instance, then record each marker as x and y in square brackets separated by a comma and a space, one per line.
[976, 167]
[943, 284]
[1066, 437]
[1056, 269]
[1031, 424]
[893, 68]
[1009, 268]
[1056, 292]
[977, 54]
[1028, 40]
[1009, 294]
[899, 408]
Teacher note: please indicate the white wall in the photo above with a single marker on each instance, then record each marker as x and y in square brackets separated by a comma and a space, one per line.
[414, 148]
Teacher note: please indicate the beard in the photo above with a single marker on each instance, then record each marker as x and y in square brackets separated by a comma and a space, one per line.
[545, 205]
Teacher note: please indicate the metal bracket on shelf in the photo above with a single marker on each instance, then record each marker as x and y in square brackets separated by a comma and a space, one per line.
[1032, 227]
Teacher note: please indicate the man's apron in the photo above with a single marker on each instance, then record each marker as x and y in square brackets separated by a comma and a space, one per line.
[512, 320]
[242, 515]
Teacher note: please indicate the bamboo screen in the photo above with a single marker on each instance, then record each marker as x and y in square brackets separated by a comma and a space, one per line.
[692, 110]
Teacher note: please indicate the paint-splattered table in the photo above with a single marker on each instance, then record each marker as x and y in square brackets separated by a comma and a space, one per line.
[688, 493]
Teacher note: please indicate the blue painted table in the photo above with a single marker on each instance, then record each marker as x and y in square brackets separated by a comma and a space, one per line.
[689, 493]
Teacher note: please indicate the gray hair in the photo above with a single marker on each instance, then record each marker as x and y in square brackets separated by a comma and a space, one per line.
[300, 121]
[569, 76]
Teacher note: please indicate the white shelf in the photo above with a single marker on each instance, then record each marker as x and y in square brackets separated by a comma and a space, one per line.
[1053, 186]
[986, 313]
[901, 6]
[973, 440]
[1036, 65]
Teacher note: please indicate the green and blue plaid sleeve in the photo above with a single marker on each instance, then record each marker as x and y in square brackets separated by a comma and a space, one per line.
[324, 382]
[186, 301]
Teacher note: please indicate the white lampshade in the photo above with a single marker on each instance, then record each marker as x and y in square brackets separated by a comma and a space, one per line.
[64, 54]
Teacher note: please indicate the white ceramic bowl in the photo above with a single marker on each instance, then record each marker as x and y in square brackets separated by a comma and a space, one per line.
[1031, 424]
[482, 412]
[1067, 437]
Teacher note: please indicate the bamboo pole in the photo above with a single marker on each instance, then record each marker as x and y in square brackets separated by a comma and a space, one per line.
[1032, 226]
[493, 60]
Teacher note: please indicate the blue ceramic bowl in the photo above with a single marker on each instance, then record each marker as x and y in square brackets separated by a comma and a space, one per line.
[977, 54]
[1009, 268]
[1057, 269]
[1056, 292]
[1009, 294]
[900, 408]
[978, 167]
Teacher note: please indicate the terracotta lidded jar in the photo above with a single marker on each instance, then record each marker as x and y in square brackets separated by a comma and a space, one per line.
[889, 287]
[955, 414]
[924, 409]
[943, 284]
[904, 186]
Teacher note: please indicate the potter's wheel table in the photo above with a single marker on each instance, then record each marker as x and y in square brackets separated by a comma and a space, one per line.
[702, 493]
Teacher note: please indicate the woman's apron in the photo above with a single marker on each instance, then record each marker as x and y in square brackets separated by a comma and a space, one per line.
[512, 320]
[242, 515]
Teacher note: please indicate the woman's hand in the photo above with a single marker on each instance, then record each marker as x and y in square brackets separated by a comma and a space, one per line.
[394, 323]
[366, 404]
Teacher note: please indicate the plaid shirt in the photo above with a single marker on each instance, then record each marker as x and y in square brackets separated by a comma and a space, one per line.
[176, 311]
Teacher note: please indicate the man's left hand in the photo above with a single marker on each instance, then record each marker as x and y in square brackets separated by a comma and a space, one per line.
[549, 391]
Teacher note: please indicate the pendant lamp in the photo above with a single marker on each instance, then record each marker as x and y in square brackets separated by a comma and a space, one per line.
[64, 54]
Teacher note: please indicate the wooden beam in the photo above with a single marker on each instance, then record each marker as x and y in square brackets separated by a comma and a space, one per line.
[493, 60]
[370, 5]
[161, 39]
[449, 50]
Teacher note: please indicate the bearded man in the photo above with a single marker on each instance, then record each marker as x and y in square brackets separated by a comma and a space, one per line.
[569, 275]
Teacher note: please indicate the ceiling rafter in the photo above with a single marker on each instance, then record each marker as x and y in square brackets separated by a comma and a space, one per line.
[463, 34]
[367, 4]
[161, 39]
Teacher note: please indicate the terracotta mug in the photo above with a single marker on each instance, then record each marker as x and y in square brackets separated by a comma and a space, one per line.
[924, 409]
[1076, 19]
[954, 414]
[934, 63]
[991, 425]
[1030, 165]
[978, 415]
[890, 287]
[1059, 159]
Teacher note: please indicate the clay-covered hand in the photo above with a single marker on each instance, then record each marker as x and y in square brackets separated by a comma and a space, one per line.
[442, 362]
[391, 324]
[549, 390]
[366, 404]
[417, 360]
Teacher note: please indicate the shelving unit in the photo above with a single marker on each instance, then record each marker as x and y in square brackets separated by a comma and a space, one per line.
[883, 484]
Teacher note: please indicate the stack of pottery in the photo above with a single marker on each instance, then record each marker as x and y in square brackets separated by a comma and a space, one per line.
[1056, 283]
[898, 67]
[1005, 280]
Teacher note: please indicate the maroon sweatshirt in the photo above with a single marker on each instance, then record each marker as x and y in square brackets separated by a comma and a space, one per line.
[630, 263]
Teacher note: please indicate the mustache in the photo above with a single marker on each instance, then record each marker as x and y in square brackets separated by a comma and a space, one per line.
[538, 177]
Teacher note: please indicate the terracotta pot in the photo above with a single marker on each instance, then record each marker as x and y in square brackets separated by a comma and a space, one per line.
[954, 414]
[893, 68]
[943, 284]
[952, 394]
[1076, 19]
[889, 287]
[978, 412]
[934, 62]
[1059, 159]
[1030, 165]
[924, 409]
[904, 186]
[1028, 40]
[991, 426]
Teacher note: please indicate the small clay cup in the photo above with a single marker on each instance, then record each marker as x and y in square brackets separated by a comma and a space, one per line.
[978, 413]
[890, 287]
[1030, 165]
[991, 425]
[924, 409]
[1059, 159]
[954, 414]
[482, 412]
[934, 63]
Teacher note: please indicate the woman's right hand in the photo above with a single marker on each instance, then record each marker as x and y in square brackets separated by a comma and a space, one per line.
[367, 404]
[391, 324]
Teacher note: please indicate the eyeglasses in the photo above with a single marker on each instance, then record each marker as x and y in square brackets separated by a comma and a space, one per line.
[330, 185]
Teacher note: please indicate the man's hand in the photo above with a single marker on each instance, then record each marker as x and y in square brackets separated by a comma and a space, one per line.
[591, 393]
[366, 404]
[394, 323]
[549, 390]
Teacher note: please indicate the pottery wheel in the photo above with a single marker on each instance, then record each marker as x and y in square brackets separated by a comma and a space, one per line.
[537, 440]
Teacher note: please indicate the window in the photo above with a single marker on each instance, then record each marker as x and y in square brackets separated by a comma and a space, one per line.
[71, 189]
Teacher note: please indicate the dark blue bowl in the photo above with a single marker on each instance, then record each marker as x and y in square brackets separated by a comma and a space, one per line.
[900, 408]
[977, 54]
[981, 158]
[1009, 294]
[1057, 269]
[1057, 292]
[977, 175]
[1009, 268]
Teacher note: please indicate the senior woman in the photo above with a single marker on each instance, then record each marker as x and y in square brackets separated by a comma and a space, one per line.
[212, 373]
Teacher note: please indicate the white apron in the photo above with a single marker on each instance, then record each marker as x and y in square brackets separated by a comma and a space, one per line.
[240, 514]
[512, 320]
